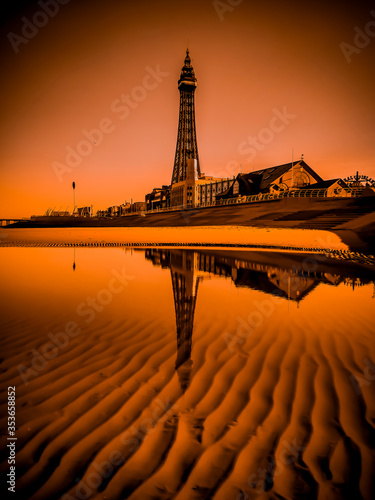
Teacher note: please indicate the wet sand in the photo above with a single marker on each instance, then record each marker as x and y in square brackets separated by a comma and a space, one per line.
[211, 235]
[279, 413]
[281, 410]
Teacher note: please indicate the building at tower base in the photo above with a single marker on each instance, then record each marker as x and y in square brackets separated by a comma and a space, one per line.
[190, 188]
[196, 189]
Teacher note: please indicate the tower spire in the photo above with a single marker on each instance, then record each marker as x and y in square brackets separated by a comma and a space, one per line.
[186, 148]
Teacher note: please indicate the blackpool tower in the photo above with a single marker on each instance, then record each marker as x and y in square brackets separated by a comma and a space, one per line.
[187, 137]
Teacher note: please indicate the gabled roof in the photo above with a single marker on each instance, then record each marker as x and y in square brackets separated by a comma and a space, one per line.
[270, 174]
[249, 184]
[251, 181]
[261, 180]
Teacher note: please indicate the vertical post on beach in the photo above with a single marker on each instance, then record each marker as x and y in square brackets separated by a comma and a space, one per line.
[74, 197]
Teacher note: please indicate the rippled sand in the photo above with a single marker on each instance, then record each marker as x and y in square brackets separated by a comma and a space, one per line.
[280, 413]
[271, 412]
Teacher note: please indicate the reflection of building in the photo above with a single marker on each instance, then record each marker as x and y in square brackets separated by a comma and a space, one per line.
[185, 287]
[292, 277]
[185, 280]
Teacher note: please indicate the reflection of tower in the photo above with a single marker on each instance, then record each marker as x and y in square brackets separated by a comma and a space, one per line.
[187, 137]
[185, 288]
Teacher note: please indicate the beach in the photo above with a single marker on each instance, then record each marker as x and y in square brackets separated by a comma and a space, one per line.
[263, 396]
[211, 235]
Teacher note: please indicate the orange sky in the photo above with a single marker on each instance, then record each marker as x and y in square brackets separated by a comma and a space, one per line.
[250, 59]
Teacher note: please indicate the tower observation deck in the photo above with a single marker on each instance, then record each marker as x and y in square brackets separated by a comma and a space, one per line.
[186, 148]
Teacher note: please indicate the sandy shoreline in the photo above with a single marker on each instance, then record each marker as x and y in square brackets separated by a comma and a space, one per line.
[239, 235]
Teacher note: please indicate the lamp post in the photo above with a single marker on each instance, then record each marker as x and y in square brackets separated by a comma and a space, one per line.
[74, 197]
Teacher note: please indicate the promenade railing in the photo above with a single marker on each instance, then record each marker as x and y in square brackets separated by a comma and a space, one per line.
[295, 193]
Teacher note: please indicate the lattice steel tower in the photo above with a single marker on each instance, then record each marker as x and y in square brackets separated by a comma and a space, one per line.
[187, 137]
[185, 288]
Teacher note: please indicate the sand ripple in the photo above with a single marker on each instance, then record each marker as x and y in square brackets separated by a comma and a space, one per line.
[276, 417]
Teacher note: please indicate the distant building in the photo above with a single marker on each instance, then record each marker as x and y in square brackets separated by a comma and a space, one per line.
[295, 175]
[158, 198]
[122, 210]
[59, 213]
[195, 189]
[209, 188]
[84, 211]
[114, 211]
[334, 187]
[125, 208]
[137, 206]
